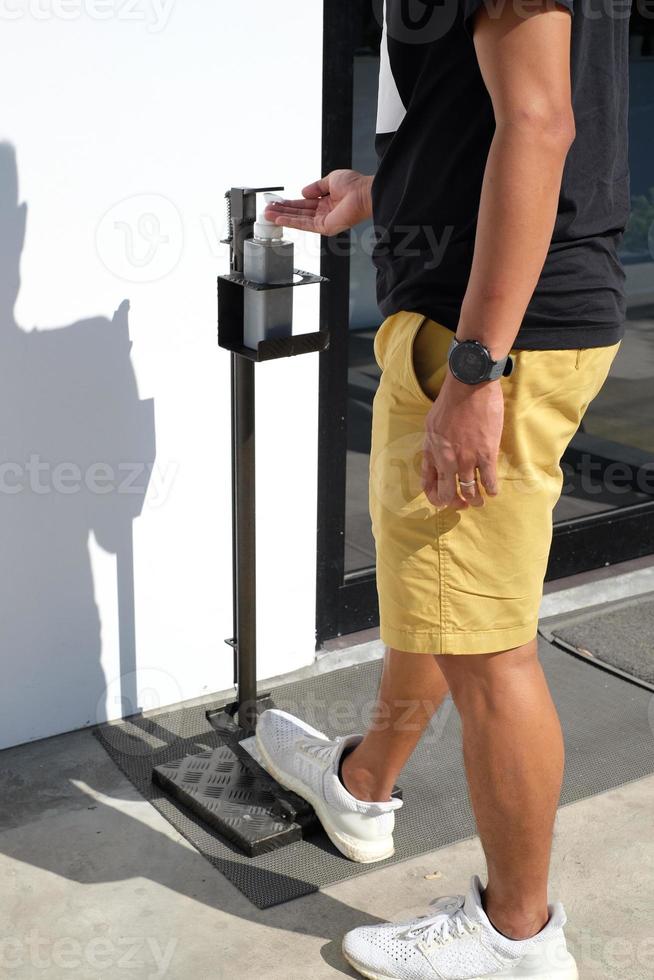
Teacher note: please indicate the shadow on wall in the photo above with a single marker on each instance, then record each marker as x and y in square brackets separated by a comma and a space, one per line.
[76, 453]
[77, 448]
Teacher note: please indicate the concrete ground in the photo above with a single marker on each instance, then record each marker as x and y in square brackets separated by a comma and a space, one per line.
[95, 885]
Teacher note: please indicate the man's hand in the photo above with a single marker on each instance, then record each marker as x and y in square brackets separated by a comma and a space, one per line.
[330, 205]
[462, 440]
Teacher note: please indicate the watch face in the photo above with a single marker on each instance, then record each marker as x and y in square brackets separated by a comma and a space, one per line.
[469, 362]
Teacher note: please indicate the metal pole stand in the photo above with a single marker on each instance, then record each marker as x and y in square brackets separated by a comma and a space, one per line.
[226, 787]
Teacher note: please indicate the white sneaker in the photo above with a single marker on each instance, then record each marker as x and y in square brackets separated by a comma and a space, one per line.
[457, 942]
[306, 761]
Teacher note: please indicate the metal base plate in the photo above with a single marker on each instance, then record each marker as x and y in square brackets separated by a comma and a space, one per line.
[223, 791]
[229, 790]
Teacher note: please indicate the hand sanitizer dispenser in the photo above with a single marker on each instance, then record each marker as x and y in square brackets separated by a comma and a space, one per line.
[267, 258]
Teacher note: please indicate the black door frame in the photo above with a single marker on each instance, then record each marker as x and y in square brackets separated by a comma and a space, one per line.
[348, 603]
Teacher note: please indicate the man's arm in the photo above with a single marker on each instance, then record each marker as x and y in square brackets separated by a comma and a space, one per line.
[524, 58]
[525, 62]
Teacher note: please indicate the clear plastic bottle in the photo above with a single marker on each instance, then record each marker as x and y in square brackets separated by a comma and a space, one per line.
[268, 258]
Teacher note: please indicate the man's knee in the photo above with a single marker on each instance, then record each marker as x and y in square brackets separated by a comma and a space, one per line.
[488, 677]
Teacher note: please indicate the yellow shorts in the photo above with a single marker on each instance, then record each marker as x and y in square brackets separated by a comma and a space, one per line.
[469, 581]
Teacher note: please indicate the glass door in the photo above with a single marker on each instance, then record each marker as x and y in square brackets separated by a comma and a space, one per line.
[606, 512]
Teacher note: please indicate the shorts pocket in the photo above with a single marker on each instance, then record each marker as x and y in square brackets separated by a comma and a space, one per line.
[412, 377]
[383, 339]
[430, 353]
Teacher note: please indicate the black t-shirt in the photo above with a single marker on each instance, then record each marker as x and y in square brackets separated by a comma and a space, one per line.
[434, 129]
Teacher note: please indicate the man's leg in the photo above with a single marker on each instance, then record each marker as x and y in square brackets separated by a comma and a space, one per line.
[360, 822]
[412, 687]
[513, 751]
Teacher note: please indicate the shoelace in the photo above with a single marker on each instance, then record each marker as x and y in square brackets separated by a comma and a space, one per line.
[450, 922]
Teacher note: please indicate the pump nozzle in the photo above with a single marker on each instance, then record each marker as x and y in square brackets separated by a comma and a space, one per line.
[268, 229]
[264, 228]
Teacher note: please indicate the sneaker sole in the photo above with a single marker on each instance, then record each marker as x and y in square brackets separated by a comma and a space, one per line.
[565, 973]
[363, 852]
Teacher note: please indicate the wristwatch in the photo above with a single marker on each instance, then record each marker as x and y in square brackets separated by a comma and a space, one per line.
[471, 362]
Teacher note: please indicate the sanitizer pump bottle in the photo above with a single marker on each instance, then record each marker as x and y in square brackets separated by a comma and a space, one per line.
[267, 258]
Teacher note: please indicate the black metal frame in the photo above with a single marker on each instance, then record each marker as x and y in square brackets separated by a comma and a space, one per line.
[348, 603]
[226, 786]
[338, 50]
[231, 290]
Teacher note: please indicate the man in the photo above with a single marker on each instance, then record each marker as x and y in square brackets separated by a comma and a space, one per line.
[499, 225]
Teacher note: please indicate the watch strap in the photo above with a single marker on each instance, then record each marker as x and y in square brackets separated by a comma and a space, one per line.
[498, 369]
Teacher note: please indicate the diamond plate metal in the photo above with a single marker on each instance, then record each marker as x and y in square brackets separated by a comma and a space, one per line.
[223, 790]
[229, 789]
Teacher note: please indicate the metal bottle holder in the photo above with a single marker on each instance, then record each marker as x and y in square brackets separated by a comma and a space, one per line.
[225, 787]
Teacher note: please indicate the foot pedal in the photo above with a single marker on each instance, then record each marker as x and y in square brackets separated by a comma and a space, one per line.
[221, 789]
[229, 789]
[287, 806]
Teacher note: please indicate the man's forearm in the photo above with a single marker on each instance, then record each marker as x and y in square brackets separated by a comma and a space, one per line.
[517, 212]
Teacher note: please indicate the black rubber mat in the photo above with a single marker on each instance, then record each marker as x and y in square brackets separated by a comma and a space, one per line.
[609, 735]
[620, 636]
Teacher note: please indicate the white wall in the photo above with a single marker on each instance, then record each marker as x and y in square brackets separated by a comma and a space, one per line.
[129, 122]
